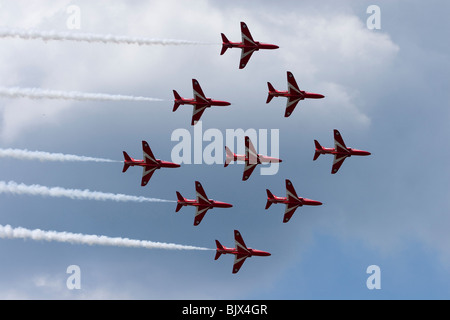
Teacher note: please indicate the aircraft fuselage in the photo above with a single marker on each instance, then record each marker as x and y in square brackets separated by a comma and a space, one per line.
[213, 203]
[351, 152]
[301, 202]
[251, 252]
[260, 159]
[304, 95]
[158, 164]
[258, 45]
[209, 103]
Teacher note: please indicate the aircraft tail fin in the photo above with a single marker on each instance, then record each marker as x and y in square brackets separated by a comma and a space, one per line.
[269, 197]
[318, 149]
[229, 156]
[225, 44]
[271, 90]
[180, 199]
[127, 158]
[219, 247]
[176, 104]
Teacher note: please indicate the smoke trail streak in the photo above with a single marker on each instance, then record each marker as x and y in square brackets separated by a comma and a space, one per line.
[77, 194]
[91, 37]
[24, 154]
[7, 232]
[37, 93]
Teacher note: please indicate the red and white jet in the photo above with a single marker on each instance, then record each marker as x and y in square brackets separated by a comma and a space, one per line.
[241, 251]
[149, 163]
[291, 200]
[248, 45]
[202, 203]
[251, 158]
[293, 95]
[340, 151]
[200, 102]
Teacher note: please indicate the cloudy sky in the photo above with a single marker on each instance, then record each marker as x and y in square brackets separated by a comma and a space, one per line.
[386, 90]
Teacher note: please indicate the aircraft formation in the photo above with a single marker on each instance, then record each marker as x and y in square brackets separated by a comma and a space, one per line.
[200, 102]
[251, 158]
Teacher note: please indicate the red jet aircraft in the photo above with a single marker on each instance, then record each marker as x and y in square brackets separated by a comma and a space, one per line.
[248, 45]
[251, 158]
[241, 251]
[340, 151]
[202, 203]
[149, 164]
[293, 95]
[200, 102]
[291, 200]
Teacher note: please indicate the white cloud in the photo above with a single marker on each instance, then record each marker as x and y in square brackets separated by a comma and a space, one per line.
[334, 52]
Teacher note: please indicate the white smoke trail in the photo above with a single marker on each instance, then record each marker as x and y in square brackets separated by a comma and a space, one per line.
[37, 93]
[91, 37]
[24, 154]
[35, 189]
[7, 232]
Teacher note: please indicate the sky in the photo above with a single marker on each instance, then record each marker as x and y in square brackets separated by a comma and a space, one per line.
[386, 91]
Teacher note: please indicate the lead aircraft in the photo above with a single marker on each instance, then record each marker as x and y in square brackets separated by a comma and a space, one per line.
[202, 203]
[241, 252]
[248, 45]
[149, 163]
[293, 94]
[340, 151]
[291, 200]
[200, 102]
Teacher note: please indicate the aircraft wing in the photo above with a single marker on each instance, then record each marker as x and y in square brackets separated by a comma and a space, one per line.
[290, 105]
[251, 159]
[201, 195]
[199, 96]
[293, 89]
[337, 162]
[292, 85]
[241, 248]
[239, 243]
[239, 260]
[247, 38]
[246, 53]
[291, 195]
[197, 113]
[199, 214]
[248, 170]
[250, 151]
[148, 154]
[147, 174]
[289, 211]
[339, 143]
[249, 46]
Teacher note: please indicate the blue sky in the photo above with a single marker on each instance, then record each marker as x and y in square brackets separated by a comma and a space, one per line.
[385, 90]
